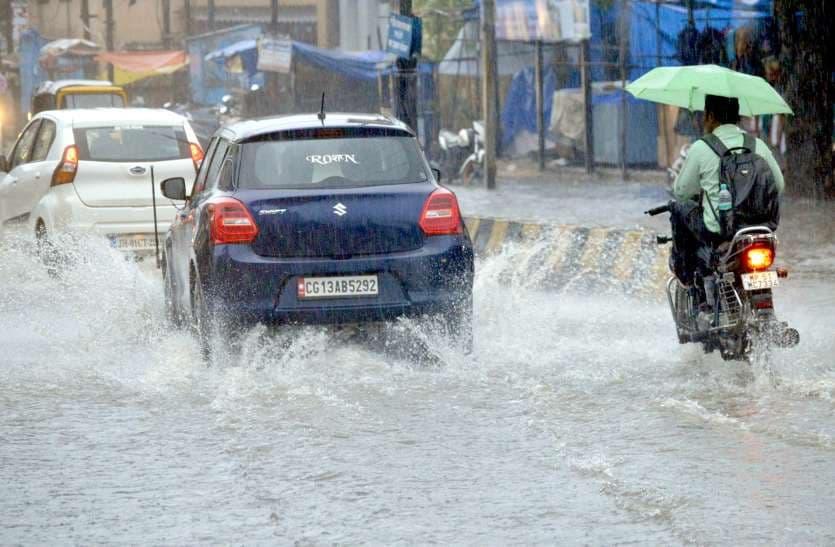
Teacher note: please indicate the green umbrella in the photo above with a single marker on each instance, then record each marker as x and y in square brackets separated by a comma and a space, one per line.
[686, 86]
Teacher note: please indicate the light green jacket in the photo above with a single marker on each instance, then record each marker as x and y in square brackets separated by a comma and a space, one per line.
[701, 171]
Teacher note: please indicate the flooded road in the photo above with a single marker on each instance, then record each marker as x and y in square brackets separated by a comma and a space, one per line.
[578, 419]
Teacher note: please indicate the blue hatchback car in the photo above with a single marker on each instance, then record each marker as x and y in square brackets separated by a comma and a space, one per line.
[311, 220]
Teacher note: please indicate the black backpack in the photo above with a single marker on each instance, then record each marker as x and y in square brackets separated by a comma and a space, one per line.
[756, 201]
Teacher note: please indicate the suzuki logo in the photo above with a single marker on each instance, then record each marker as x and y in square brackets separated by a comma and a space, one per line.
[340, 210]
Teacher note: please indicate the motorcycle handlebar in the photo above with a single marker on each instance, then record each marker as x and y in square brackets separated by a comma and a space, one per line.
[660, 209]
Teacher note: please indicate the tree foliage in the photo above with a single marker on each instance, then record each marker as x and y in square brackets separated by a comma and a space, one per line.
[441, 23]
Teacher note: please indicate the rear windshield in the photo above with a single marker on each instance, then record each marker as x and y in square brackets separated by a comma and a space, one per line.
[131, 143]
[350, 161]
[92, 100]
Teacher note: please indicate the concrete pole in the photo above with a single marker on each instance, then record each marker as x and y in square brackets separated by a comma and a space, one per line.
[108, 33]
[274, 17]
[166, 23]
[211, 15]
[407, 81]
[85, 18]
[585, 67]
[540, 105]
[488, 89]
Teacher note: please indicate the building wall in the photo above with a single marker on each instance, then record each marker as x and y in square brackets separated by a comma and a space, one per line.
[359, 22]
[140, 24]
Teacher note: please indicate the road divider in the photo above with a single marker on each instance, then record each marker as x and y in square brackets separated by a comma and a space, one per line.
[559, 256]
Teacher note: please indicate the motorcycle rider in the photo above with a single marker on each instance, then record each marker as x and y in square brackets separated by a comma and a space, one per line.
[696, 188]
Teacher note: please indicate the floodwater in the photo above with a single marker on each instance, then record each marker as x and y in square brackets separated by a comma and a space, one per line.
[578, 419]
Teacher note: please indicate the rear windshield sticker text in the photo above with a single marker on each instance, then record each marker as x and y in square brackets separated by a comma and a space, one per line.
[327, 159]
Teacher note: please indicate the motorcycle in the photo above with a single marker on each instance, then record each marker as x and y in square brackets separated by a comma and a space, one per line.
[462, 153]
[730, 307]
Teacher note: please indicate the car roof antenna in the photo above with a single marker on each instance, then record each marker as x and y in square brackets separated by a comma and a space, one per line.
[322, 110]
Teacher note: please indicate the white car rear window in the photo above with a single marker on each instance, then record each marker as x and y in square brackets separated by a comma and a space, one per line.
[130, 143]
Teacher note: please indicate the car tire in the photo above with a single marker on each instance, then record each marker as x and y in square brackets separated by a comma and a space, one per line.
[202, 321]
[172, 310]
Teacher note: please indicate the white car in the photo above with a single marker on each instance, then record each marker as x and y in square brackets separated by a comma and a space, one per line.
[89, 171]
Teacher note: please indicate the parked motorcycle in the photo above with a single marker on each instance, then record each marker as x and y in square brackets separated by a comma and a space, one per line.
[730, 307]
[462, 153]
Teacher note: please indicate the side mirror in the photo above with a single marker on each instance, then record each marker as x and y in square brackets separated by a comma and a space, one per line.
[174, 188]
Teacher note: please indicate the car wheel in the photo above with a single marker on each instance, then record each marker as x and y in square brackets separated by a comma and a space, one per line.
[46, 250]
[201, 320]
[172, 310]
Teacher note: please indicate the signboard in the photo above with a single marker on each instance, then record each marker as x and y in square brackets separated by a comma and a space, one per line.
[275, 55]
[404, 37]
[543, 20]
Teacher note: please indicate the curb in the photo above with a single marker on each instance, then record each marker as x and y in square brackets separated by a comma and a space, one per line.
[559, 256]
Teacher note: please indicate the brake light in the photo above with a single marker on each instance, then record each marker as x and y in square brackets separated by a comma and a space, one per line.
[758, 258]
[230, 222]
[67, 168]
[196, 154]
[440, 215]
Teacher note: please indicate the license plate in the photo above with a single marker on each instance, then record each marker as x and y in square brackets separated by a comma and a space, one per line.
[759, 280]
[133, 243]
[337, 287]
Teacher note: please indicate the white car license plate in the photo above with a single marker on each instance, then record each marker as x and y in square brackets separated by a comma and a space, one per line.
[337, 287]
[759, 280]
[133, 243]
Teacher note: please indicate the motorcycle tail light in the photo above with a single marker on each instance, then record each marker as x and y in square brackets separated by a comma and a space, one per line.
[440, 215]
[67, 168]
[231, 222]
[758, 258]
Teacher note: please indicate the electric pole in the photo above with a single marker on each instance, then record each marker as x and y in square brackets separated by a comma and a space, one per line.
[85, 18]
[7, 13]
[488, 89]
[166, 23]
[108, 33]
[187, 14]
[211, 9]
[407, 80]
[274, 17]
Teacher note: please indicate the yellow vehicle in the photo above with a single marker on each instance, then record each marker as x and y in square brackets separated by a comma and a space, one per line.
[66, 94]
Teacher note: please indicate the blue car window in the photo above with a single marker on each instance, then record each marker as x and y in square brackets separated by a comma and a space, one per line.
[331, 162]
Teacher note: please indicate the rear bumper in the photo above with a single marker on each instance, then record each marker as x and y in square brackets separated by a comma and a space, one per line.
[63, 212]
[249, 288]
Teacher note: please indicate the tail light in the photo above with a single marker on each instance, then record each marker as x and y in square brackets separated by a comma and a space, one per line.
[67, 168]
[196, 154]
[230, 222]
[440, 215]
[757, 257]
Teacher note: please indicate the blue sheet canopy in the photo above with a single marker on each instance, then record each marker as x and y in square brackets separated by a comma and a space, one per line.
[363, 65]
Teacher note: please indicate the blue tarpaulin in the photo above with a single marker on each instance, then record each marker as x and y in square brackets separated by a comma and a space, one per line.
[209, 80]
[519, 112]
[31, 73]
[362, 65]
